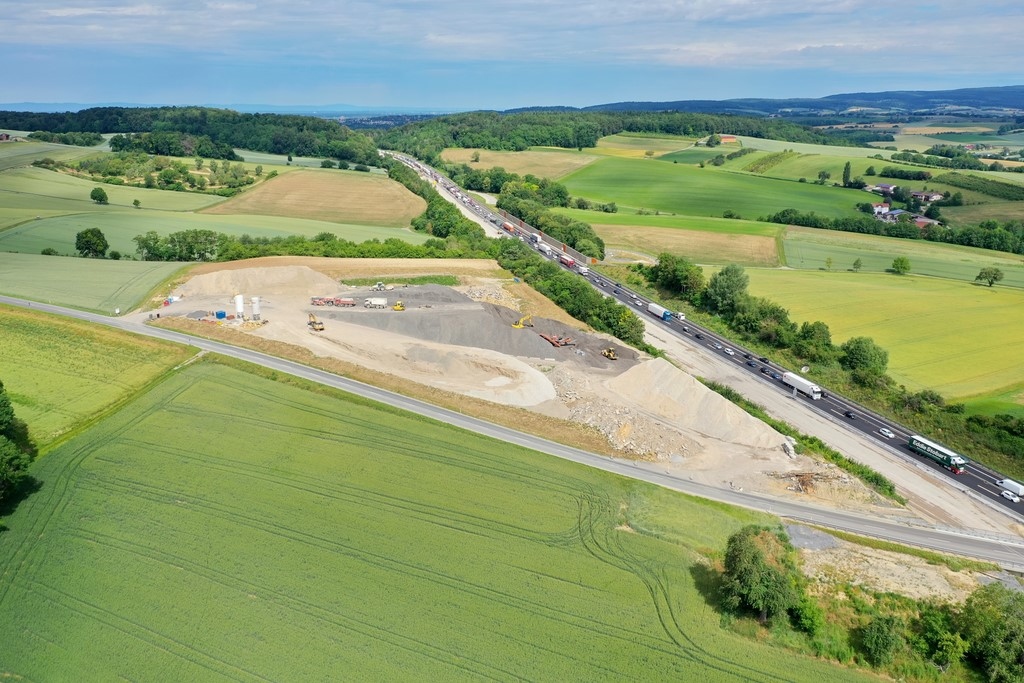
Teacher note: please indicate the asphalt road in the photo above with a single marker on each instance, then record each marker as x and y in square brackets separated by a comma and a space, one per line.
[1003, 550]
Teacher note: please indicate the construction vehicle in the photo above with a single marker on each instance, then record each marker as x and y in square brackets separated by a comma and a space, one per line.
[332, 301]
[379, 287]
[609, 353]
[376, 302]
[558, 340]
[315, 324]
[399, 306]
[525, 321]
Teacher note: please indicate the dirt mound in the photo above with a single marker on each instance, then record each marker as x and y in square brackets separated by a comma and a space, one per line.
[265, 282]
[671, 394]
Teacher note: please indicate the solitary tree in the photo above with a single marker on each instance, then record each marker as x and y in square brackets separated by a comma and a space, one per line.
[759, 574]
[475, 157]
[726, 289]
[828, 263]
[989, 275]
[98, 195]
[857, 265]
[91, 243]
[823, 176]
[846, 174]
[882, 638]
[901, 265]
[862, 353]
[136, 203]
[258, 170]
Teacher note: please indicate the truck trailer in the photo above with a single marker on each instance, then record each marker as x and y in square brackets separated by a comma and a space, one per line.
[544, 248]
[659, 312]
[951, 460]
[566, 260]
[1011, 485]
[376, 302]
[804, 386]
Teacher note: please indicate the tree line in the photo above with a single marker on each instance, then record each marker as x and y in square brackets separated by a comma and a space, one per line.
[76, 139]
[271, 133]
[578, 129]
[17, 450]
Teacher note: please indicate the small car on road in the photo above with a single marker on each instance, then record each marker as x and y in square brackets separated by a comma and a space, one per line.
[1010, 496]
[717, 346]
[729, 352]
[850, 414]
[751, 363]
[887, 433]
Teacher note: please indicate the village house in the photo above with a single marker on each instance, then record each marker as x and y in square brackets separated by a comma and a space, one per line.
[885, 188]
[926, 195]
[880, 208]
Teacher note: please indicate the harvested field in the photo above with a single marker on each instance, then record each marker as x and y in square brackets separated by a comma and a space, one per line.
[543, 163]
[696, 245]
[342, 268]
[334, 196]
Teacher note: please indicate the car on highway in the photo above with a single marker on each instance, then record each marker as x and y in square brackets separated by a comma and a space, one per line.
[751, 363]
[763, 359]
[766, 371]
[729, 352]
[887, 433]
[1010, 496]
[850, 414]
[776, 376]
[717, 346]
[699, 335]
[639, 303]
[747, 355]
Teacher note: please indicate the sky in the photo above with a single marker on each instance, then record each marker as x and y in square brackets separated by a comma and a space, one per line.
[458, 55]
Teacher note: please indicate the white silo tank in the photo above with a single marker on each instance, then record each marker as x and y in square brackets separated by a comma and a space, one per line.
[255, 308]
[239, 305]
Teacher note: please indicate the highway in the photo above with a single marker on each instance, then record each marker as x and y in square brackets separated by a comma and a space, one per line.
[1006, 551]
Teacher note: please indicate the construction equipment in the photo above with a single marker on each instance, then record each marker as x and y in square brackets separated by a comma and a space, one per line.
[379, 287]
[609, 353]
[525, 321]
[399, 306]
[315, 324]
[558, 340]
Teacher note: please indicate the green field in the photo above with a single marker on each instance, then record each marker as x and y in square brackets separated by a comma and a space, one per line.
[227, 527]
[938, 332]
[98, 285]
[807, 248]
[59, 373]
[14, 154]
[684, 189]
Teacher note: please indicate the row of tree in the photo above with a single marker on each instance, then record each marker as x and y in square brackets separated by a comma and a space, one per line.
[760, 576]
[17, 449]
[77, 139]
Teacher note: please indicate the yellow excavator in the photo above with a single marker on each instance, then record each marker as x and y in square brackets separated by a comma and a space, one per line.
[399, 306]
[610, 354]
[525, 321]
[315, 324]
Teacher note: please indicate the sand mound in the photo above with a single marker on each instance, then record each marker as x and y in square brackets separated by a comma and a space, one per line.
[670, 394]
[281, 280]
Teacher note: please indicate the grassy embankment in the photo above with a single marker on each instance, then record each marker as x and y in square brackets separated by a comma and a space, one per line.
[353, 540]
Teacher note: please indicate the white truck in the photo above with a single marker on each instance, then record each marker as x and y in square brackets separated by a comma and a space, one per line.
[804, 386]
[544, 248]
[1011, 485]
[583, 270]
[659, 312]
[376, 302]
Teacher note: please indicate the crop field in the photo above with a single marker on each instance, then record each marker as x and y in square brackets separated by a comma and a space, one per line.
[98, 285]
[694, 155]
[278, 161]
[683, 189]
[808, 148]
[702, 240]
[14, 154]
[332, 196]
[807, 248]
[542, 162]
[227, 527]
[931, 327]
[992, 209]
[636, 146]
[59, 372]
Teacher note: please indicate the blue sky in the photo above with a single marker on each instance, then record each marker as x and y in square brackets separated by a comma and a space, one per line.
[497, 54]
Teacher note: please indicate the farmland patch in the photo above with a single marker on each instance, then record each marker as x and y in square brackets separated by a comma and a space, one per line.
[539, 161]
[60, 372]
[352, 541]
[331, 196]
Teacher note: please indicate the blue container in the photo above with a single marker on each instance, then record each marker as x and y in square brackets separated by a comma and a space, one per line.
[221, 315]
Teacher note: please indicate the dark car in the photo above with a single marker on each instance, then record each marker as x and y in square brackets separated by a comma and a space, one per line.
[765, 370]
[763, 359]
[850, 414]
[699, 335]
[685, 328]
[751, 363]
[776, 375]
[747, 356]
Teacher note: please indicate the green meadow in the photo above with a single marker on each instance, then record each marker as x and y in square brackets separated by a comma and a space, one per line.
[14, 154]
[939, 332]
[683, 189]
[98, 285]
[60, 373]
[224, 526]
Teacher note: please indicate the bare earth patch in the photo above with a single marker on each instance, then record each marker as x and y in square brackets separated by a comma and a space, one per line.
[541, 163]
[335, 196]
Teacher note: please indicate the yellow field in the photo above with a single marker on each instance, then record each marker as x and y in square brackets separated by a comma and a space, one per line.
[636, 147]
[696, 245]
[326, 195]
[543, 163]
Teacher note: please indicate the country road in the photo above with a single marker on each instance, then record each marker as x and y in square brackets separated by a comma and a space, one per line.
[1007, 551]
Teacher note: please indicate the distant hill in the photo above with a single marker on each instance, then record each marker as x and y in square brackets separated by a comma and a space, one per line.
[995, 101]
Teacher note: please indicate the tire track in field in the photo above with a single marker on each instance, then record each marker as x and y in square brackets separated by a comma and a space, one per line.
[64, 483]
[611, 550]
[356, 496]
[305, 607]
[139, 631]
[387, 564]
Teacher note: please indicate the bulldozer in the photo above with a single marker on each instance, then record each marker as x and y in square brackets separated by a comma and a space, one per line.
[609, 353]
[525, 321]
[399, 306]
[315, 324]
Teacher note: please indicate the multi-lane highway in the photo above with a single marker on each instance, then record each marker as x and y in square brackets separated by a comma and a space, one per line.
[1006, 551]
